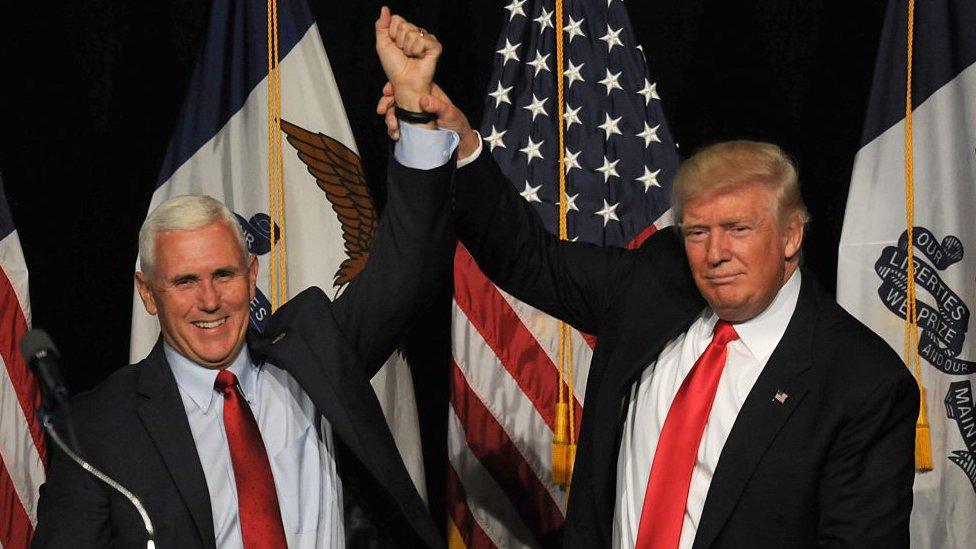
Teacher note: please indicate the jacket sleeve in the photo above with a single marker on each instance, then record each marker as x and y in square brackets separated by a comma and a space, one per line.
[571, 281]
[866, 485]
[409, 260]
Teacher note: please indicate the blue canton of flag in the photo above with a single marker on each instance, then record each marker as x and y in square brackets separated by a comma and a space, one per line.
[620, 155]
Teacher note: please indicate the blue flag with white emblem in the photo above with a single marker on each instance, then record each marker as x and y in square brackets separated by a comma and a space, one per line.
[873, 256]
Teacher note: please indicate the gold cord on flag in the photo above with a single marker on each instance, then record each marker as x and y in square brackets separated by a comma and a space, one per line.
[923, 438]
[276, 182]
[564, 437]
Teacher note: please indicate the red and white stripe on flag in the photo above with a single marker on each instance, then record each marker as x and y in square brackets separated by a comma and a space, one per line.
[505, 385]
[504, 389]
[22, 450]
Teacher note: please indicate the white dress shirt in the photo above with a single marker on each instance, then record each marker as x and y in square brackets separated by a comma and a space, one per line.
[302, 463]
[423, 149]
[651, 396]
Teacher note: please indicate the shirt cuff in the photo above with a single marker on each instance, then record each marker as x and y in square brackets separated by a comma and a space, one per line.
[423, 149]
[462, 162]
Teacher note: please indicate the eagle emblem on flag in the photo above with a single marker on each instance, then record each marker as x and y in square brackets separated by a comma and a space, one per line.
[338, 171]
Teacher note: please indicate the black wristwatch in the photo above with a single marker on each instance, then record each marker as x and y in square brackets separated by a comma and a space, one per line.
[414, 117]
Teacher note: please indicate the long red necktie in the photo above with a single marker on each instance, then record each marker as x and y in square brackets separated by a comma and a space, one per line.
[257, 501]
[677, 449]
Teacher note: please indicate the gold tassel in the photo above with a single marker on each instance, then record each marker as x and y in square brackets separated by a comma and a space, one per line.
[563, 443]
[454, 538]
[923, 438]
[570, 462]
[561, 463]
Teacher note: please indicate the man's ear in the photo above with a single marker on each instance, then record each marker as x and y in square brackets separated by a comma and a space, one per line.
[145, 293]
[793, 236]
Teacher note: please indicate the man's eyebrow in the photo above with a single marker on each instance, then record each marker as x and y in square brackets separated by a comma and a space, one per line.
[727, 222]
[185, 277]
[735, 221]
[694, 226]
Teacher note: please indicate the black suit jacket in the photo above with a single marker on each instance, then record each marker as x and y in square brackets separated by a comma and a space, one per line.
[832, 465]
[134, 428]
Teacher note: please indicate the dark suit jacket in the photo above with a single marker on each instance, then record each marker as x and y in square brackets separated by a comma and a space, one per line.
[134, 428]
[831, 465]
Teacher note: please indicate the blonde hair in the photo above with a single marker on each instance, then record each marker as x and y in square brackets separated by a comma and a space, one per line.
[732, 163]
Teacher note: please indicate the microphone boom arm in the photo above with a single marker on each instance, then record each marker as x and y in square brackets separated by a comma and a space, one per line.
[52, 433]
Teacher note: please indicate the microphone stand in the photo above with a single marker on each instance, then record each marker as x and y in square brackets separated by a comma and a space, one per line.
[47, 420]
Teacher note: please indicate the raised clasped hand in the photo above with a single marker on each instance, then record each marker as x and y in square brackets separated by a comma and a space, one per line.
[408, 55]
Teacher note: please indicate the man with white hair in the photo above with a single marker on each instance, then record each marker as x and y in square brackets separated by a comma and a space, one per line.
[270, 440]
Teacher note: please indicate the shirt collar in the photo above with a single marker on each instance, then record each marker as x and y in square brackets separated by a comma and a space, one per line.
[761, 334]
[198, 382]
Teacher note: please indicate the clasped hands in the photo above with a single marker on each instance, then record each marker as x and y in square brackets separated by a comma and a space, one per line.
[409, 56]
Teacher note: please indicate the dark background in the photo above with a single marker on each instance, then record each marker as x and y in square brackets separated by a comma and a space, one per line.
[91, 90]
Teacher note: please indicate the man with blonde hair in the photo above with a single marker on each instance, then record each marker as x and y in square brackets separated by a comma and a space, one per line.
[730, 401]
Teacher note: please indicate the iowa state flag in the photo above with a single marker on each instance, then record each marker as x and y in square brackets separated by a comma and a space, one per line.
[873, 259]
[220, 147]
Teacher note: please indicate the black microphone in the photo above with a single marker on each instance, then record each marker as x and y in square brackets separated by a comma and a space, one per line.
[43, 357]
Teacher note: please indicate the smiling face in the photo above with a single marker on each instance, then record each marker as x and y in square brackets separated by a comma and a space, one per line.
[739, 252]
[201, 288]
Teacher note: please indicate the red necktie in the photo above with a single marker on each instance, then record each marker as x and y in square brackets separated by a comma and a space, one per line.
[677, 448]
[257, 501]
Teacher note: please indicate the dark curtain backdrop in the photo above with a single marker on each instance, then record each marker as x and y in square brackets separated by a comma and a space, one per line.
[91, 90]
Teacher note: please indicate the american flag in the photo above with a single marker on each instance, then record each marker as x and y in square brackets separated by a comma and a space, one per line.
[619, 158]
[22, 450]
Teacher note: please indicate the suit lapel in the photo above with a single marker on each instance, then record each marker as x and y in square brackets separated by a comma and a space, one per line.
[164, 418]
[331, 375]
[762, 416]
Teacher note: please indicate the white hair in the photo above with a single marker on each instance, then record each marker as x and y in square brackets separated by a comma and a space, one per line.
[184, 213]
